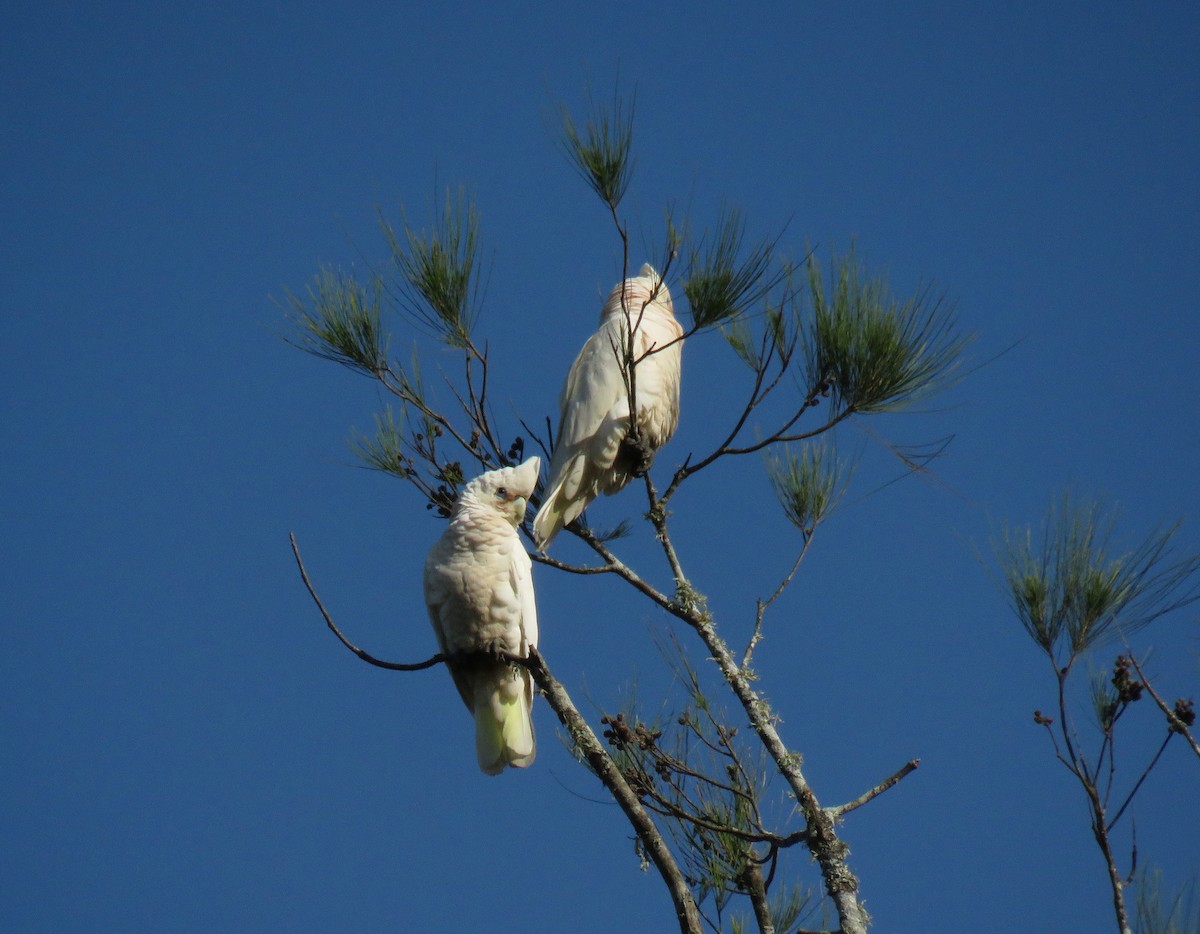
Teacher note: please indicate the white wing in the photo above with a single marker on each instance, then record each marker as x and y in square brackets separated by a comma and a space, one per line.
[522, 580]
[594, 403]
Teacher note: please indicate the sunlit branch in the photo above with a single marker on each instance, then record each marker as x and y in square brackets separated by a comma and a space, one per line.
[610, 774]
[821, 836]
[1172, 718]
[890, 781]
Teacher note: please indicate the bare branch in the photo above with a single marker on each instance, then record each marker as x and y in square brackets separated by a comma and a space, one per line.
[607, 771]
[361, 653]
[658, 518]
[1138, 784]
[875, 792]
[571, 568]
[779, 435]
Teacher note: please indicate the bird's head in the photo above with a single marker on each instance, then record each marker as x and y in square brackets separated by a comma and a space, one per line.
[506, 490]
[647, 288]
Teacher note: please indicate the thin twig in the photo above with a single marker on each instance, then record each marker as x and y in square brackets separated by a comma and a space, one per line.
[779, 436]
[1133, 853]
[658, 517]
[761, 606]
[1108, 745]
[1078, 764]
[361, 653]
[399, 390]
[571, 568]
[1138, 784]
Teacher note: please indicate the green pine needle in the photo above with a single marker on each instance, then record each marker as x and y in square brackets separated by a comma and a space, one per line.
[340, 321]
[1162, 912]
[601, 150]
[436, 268]
[873, 352]
[792, 905]
[723, 278]
[1072, 592]
[739, 336]
[384, 450]
[809, 484]
[1104, 699]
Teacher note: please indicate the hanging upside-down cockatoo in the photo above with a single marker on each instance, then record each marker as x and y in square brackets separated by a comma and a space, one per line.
[479, 590]
[592, 453]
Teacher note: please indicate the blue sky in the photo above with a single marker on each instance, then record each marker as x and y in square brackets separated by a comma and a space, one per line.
[187, 748]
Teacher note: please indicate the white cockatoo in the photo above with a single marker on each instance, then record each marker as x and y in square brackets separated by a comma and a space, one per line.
[592, 454]
[479, 590]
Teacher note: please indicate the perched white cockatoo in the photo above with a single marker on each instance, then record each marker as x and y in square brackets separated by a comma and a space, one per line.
[592, 454]
[479, 590]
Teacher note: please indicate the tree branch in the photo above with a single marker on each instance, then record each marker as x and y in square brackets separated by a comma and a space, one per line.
[822, 840]
[1100, 832]
[821, 837]
[761, 606]
[1138, 784]
[837, 812]
[585, 741]
[606, 770]
[752, 880]
[361, 653]
[1172, 718]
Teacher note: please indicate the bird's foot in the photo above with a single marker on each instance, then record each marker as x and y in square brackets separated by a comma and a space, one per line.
[637, 454]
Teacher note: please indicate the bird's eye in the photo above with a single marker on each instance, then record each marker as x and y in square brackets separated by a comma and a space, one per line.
[502, 492]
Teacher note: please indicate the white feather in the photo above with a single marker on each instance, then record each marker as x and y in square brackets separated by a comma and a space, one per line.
[479, 592]
[588, 457]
